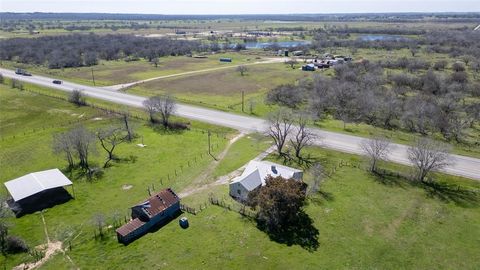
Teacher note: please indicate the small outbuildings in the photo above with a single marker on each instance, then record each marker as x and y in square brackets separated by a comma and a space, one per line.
[254, 176]
[152, 213]
[37, 191]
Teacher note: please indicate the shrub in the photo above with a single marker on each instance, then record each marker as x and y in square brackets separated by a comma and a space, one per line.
[16, 245]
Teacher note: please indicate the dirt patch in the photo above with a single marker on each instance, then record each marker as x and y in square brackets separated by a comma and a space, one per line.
[59, 111]
[127, 187]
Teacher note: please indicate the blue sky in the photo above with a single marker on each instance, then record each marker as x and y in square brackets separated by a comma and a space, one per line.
[239, 6]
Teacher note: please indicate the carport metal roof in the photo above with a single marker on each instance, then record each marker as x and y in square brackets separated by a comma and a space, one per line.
[33, 183]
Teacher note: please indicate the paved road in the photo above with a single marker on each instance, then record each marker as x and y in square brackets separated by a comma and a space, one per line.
[128, 85]
[463, 166]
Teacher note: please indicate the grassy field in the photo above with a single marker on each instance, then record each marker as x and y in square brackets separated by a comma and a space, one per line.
[223, 88]
[117, 72]
[172, 159]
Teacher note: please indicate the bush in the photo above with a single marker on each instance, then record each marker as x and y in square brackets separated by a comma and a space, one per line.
[76, 97]
[16, 245]
[178, 126]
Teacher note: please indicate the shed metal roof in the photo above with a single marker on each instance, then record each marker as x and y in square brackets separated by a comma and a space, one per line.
[256, 171]
[33, 183]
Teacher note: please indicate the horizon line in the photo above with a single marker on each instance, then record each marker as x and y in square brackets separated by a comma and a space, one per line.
[240, 14]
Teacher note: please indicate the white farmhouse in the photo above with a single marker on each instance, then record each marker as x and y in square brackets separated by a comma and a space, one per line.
[254, 176]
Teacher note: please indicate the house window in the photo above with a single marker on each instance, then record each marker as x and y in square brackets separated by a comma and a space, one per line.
[238, 191]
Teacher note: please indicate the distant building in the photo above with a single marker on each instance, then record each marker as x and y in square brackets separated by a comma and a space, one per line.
[254, 176]
[37, 191]
[156, 210]
[298, 53]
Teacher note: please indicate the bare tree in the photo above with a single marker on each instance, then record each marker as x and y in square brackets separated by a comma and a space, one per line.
[76, 97]
[62, 144]
[303, 137]
[110, 138]
[150, 105]
[128, 127]
[155, 61]
[280, 126]
[83, 142]
[428, 155]
[376, 150]
[242, 69]
[167, 107]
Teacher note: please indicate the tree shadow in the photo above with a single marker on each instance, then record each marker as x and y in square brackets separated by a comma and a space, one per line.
[302, 232]
[442, 191]
[328, 196]
[320, 197]
[303, 162]
[392, 180]
[452, 193]
[173, 128]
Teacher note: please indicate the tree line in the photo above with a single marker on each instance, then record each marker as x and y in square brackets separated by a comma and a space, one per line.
[455, 42]
[78, 50]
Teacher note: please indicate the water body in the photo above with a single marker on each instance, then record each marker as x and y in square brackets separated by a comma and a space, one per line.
[281, 44]
[382, 38]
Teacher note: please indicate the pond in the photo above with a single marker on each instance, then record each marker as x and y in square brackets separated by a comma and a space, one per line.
[382, 38]
[280, 44]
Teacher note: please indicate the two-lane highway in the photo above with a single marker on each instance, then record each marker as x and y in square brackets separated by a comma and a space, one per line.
[462, 166]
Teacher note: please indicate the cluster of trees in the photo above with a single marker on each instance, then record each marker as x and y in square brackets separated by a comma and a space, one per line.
[85, 50]
[360, 92]
[77, 145]
[165, 106]
[288, 127]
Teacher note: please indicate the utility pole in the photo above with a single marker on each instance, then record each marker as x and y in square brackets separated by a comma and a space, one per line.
[209, 143]
[243, 101]
[93, 78]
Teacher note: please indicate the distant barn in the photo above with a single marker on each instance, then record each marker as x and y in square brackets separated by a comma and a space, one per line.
[155, 211]
[37, 191]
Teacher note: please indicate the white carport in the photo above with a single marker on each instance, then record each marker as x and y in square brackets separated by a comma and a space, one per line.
[33, 183]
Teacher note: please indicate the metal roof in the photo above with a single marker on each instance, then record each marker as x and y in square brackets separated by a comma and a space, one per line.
[157, 203]
[153, 206]
[256, 171]
[33, 183]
